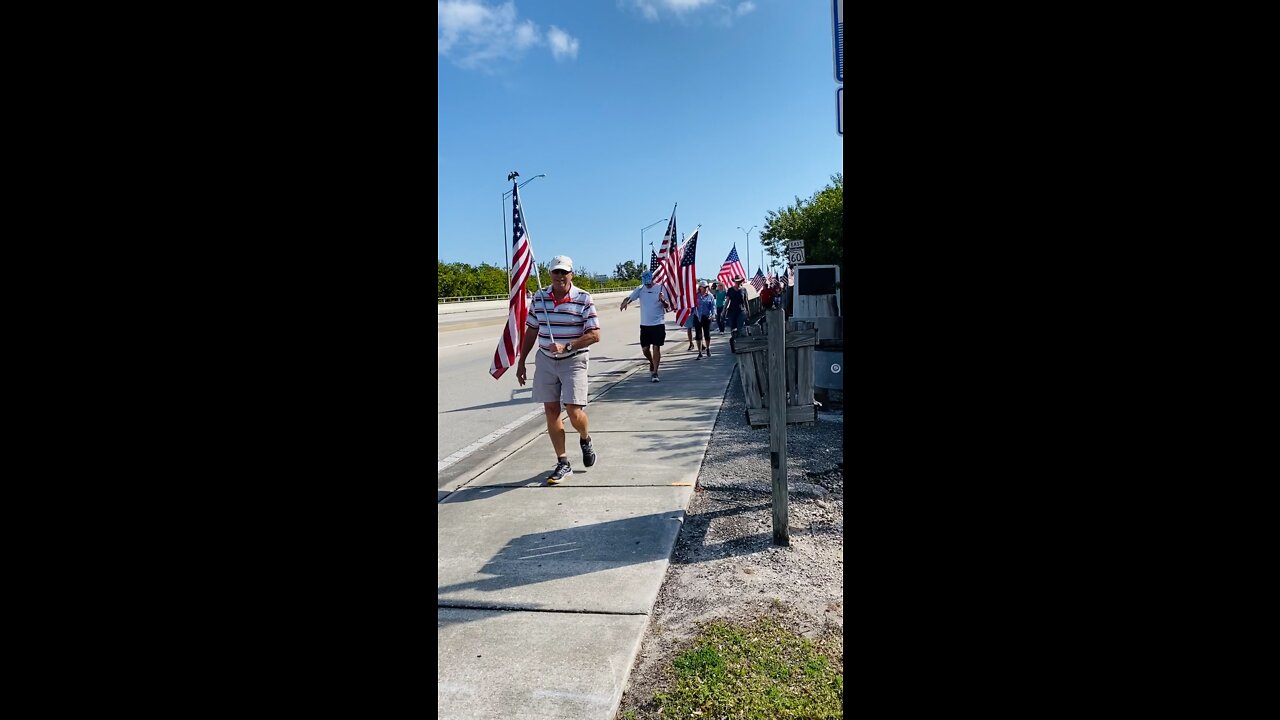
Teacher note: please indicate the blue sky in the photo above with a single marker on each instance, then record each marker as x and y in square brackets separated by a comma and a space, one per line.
[630, 106]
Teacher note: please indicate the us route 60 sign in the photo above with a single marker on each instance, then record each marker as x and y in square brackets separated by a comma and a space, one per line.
[795, 257]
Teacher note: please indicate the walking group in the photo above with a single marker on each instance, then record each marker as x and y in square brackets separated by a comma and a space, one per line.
[713, 302]
[562, 321]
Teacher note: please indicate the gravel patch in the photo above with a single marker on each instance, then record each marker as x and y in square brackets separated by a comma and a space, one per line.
[725, 565]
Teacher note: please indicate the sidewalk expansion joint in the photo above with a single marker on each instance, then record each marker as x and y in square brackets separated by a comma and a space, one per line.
[535, 610]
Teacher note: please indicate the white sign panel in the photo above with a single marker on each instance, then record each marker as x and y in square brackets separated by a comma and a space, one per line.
[840, 112]
[795, 257]
[793, 244]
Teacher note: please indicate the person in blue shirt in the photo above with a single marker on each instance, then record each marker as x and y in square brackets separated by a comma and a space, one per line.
[718, 290]
[703, 311]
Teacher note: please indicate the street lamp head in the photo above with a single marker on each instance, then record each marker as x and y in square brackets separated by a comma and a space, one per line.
[507, 194]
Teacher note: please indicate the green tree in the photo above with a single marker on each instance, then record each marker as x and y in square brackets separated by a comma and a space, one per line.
[543, 270]
[819, 221]
[456, 280]
[463, 280]
[491, 280]
[629, 270]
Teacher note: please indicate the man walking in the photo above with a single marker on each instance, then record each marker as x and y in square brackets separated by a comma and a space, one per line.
[735, 308]
[565, 321]
[703, 312]
[654, 304]
[720, 292]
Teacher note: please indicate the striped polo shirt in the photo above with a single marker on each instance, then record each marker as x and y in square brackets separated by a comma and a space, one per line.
[568, 319]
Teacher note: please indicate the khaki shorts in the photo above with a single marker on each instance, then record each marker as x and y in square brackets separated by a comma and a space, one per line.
[562, 381]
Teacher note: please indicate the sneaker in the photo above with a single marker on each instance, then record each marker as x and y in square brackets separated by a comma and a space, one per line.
[708, 352]
[699, 356]
[690, 348]
[588, 452]
[653, 377]
[562, 471]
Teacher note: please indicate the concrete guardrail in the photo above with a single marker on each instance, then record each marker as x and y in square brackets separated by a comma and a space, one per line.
[461, 307]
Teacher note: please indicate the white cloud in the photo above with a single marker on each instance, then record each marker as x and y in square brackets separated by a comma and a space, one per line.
[526, 35]
[473, 34]
[717, 12]
[683, 6]
[562, 44]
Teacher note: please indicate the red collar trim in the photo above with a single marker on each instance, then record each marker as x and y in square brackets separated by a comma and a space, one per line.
[568, 295]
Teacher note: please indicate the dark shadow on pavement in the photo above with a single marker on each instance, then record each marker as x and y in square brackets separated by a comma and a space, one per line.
[572, 551]
[694, 534]
[468, 494]
[537, 480]
[503, 403]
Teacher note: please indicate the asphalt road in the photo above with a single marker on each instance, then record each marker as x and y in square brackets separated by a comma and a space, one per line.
[473, 406]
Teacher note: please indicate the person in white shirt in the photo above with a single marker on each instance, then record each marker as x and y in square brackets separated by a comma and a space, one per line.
[655, 302]
[562, 322]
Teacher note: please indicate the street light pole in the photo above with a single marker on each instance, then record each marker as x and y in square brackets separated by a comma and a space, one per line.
[748, 233]
[642, 265]
[506, 244]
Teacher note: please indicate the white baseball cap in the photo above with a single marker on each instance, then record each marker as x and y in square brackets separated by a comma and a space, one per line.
[562, 262]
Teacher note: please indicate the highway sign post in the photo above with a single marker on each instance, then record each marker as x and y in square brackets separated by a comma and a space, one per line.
[837, 29]
[837, 26]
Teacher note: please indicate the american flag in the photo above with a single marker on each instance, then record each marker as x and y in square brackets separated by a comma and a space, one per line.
[688, 275]
[667, 259]
[758, 280]
[653, 259]
[791, 277]
[521, 264]
[731, 269]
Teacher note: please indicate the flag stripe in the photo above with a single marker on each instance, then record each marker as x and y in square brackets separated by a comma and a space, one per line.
[731, 269]
[668, 249]
[688, 275]
[512, 339]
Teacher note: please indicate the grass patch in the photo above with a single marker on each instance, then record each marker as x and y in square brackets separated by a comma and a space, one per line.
[757, 672]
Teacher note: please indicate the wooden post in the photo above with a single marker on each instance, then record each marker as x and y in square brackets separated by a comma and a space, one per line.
[777, 363]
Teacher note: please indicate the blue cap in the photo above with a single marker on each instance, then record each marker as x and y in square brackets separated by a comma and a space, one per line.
[646, 277]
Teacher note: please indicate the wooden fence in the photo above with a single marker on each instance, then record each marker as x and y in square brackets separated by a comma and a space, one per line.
[752, 354]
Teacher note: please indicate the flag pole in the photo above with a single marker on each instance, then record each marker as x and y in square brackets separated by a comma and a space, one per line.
[534, 259]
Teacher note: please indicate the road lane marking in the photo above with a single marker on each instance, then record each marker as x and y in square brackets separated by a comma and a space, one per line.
[442, 464]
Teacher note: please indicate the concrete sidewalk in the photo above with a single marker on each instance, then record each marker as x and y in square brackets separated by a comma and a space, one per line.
[544, 592]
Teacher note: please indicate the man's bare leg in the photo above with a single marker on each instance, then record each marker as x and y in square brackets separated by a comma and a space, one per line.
[577, 416]
[555, 427]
